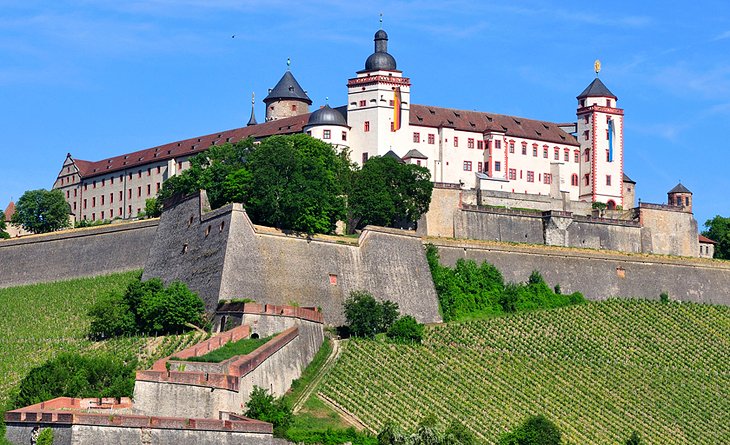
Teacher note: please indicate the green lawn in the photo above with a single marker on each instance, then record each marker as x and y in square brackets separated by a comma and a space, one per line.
[231, 349]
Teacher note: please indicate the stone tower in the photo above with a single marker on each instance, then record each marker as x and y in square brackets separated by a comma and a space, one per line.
[286, 99]
[680, 196]
[600, 133]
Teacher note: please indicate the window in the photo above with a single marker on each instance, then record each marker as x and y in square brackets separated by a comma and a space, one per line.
[344, 135]
[68, 194]
[534, 150]
[76, 192]
[149, 189]
[497, 144]
[93, 216]
[456, 141]
[103, 181]
[608, 179]
[530, 176]
[111, 213]
[309, 132]
[470, 143]
[418, 162]
[586, 179]
[431, 138]
[512, 174]
[139, 172]
[497, 166]
[547, 178]
[545, 151]
[102, 214]
[111, 180]
[608, 156]
[587, 155]
[586, 119]
[139, 191]
[367, 126]
[467, 166]
[102, 199]
[149, 171]
[363, 103]
[556, 155]
[608, 102]
[326, 134]
[94, 184]
[157, 187]
[511, 146]
[480, 166]
[686, 201]
[566, 155]
[129, 194]
[93, 202]
[294, 107]
[524, 148]
[586, 135]
[416, 137]
[158, 169]
[582, 102]
[121, 196]
[129, 211]
[86, 187]
[480, 145]
[364, 157]
[74, 206]
[574, 180]
[84, 204]
[576, 155]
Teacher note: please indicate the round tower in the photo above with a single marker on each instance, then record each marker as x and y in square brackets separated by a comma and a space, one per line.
[286, 99]
[680, 196]
[329, 124]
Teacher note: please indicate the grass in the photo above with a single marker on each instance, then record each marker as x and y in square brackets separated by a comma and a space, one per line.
[230, 350]
[299, 385]
[598, 370]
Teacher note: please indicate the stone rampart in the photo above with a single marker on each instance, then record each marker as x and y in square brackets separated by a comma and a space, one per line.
[600, 274]
[75, 253]
[221, 255]
[89, 421]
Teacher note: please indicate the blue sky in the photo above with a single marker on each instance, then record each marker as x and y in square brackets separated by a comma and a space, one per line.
[101, 78]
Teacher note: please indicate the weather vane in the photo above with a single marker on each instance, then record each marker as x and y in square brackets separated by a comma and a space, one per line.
[381, 20]
[597, 66]
[288, 63]
[253, 97]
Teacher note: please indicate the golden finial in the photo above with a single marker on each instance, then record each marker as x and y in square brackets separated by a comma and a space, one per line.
[597, 66]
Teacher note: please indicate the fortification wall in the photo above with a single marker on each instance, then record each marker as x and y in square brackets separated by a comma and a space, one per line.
[600, 275]
[606, 235]
[221, 255]
[499, 225]
[668, 231]
[75, 253]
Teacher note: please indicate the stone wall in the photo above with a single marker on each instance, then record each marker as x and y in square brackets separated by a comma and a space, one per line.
[221, 255]
[600, 275]
[668, 230]
[75, 253]
[499, 225]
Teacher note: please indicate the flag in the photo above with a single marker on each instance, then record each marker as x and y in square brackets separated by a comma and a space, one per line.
[610, 140]
[396, 109]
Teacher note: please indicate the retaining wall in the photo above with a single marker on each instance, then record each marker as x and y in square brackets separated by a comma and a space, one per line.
[600, 275]
[75, 253]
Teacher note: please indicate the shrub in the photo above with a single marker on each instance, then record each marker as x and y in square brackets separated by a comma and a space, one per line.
[330, 436]
[147, 307]
[634, 439]
[664, 297]
[366, 317]
[264, 406]
[74, 375]
[45, 437]
[536, 430]
[406, 329]
[152, 208]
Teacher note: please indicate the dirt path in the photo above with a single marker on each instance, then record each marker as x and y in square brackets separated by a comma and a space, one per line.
[347, 416]
[307, 393]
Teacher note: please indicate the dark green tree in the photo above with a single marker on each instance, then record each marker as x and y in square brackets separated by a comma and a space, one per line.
[634, 439]
[264, 406]
[365, 316]
[45, 437]
[152, 208]
[457, 434]
[536, 430]
[3, 227]
[388, 193]
[75, 375]
[718, 230]
[406, 329]
[42, 211]
[111, 316]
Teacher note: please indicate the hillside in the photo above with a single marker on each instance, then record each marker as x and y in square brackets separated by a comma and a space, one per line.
[39, 321]
[598, 370]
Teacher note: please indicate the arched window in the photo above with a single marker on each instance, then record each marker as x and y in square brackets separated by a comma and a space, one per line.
[576, 154]
[574, 179]
[611, 205]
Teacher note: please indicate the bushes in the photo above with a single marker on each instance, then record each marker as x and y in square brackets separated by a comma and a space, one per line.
[469, 290]
[366, 316]
[427, 432]
[536, 430]
[74, 375]
[147, 307]
[263, 406]
[45, 437]
[634, 439]
[330, 436]
[406, 329]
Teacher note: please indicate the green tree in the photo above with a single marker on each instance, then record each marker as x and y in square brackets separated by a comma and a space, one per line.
[406, 329]
[365, 316]
[536, 430]
[264, 406]
[3, 228]
[45, 437]
[111, 316]
[75, 375]
[388, 193]
[152, 208]
[634, 439]
[42, 211]
[457, 434]
[718, 230]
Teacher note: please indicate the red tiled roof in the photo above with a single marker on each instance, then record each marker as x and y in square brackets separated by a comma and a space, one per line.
[190, 146]
[9, 211]
[482, 122]
[704, 239]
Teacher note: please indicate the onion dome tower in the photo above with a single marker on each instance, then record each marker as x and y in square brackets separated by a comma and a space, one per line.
[380, 60]
[287, 98]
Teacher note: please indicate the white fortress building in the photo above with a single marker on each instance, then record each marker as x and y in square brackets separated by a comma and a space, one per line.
[469, 149]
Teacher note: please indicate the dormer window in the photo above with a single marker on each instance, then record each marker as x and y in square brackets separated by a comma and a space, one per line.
[608, 102]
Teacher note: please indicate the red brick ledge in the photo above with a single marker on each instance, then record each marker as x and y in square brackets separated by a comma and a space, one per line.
[68, 411]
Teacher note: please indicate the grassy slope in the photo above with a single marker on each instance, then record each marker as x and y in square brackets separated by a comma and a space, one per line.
[598, 370]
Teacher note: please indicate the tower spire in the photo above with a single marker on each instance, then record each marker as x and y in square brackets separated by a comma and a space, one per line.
[252, 120]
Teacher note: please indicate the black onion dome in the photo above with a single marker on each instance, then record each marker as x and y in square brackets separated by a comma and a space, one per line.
[327, 116]
[380, 59]
[288, 88]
